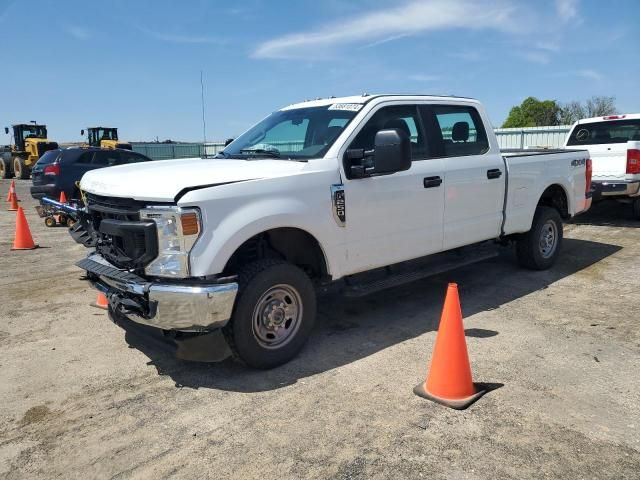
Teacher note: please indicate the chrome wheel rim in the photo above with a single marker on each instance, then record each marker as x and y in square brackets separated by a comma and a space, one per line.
[548, 239]
[277, 316]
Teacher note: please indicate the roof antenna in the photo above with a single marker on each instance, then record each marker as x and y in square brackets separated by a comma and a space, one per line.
[204, 123]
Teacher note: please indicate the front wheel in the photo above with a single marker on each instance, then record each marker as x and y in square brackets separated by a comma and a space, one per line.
[5, 169]
[274, 314]
[20, 168]
[538, 249]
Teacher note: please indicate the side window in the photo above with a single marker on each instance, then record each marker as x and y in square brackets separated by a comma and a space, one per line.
[106, 158]
[404, 117]
[85, 158]
[460, 129]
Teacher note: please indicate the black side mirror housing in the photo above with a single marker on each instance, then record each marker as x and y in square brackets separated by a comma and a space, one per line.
[82, 133]
[6, 130]
[392, 152]
[228, 141]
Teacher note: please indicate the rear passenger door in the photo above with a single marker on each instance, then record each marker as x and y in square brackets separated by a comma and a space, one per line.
[474, 178]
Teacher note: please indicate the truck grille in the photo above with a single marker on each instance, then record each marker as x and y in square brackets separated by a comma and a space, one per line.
[45, 147]
[121, 237]
[114, 207]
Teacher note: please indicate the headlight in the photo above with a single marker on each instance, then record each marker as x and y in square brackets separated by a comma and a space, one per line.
[178, 229]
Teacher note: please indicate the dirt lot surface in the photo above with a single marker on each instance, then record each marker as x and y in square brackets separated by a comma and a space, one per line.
[81, 398]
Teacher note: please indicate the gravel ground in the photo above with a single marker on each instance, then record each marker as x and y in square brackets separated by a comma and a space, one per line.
[82, 398]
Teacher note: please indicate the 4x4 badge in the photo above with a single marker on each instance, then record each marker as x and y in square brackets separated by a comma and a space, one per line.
[339, 206]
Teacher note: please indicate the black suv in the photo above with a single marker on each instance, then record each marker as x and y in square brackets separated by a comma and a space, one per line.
[59, 170]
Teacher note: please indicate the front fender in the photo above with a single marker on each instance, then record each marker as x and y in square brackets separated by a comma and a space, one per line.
[218, 243]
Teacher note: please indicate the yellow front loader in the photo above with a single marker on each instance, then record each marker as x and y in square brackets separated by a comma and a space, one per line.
[105, 137]
[29, 144]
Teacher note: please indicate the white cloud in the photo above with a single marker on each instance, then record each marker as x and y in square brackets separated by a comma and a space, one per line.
[178, 38]
[78, 32]
[590, 74]
[410, 18]
[536, 57]
[567, 9]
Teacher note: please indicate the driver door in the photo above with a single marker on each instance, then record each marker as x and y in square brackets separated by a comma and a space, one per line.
[396, 217]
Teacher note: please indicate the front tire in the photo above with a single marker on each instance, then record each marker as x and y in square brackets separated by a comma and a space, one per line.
[538, 249]
[5, 169]
[20, 168]
[274, 314]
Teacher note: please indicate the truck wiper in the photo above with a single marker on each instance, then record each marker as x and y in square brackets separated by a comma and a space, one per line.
[261, 151]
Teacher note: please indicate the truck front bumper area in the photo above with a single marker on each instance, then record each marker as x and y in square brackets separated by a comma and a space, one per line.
[175, 306]
[616, 188]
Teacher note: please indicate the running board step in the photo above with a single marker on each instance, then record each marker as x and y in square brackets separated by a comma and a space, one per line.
[433, 265]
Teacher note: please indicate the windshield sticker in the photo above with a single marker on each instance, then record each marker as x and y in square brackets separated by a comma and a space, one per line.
[351, 107]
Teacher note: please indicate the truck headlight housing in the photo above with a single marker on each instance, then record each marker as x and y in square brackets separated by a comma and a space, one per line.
[178, 230]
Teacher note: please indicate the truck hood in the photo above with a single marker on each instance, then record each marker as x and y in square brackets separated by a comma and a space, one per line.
[164, 180]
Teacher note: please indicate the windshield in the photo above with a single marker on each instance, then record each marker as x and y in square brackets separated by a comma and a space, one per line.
[300, 133]
[613, 131]
[34, 131]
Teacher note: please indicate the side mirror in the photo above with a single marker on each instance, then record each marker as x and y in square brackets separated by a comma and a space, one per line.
[6, 130]
[82, 133]
[228, 141]
[392, 151]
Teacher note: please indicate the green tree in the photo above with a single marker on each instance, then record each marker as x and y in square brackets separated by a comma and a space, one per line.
[533, 113]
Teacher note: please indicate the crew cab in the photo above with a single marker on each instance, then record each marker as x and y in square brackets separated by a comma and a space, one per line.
[613, 142]
[355, 193]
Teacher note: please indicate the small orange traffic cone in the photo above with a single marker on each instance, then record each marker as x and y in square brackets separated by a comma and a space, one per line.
[449, 381]
[12, 189]
[63, 197]
[23, 240]
[101, 301]
[14, 203]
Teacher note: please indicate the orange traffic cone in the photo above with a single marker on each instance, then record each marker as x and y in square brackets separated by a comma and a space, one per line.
[63, 197]
[449, 381]
[101, 301]
[23, 240]
[14, 203]
[12, 189]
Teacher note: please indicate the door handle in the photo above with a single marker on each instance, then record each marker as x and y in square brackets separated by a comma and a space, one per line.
[430, 182]
[494, 173]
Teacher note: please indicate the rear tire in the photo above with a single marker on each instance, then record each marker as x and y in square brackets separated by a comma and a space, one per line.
[20, 168]
[538, 249]
[274, 314]
[5, 169]
[636, 208]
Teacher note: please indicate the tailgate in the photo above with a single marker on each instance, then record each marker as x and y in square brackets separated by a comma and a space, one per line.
[609, 161]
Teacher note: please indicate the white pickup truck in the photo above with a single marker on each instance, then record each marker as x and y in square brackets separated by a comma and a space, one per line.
[356, 193]
[614, 145]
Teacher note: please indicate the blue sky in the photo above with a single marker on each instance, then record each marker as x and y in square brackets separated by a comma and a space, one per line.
[136, 64]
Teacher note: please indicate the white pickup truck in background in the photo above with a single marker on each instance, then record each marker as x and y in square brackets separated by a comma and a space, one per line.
[614, 145]
[356, 193]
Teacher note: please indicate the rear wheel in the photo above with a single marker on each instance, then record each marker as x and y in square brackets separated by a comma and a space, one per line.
[5, 169]
[274, 314]
[636, 208]
[20, 168]
[538, 249]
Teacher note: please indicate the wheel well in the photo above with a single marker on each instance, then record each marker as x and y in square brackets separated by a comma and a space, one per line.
[555, 197]
[291, 244]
